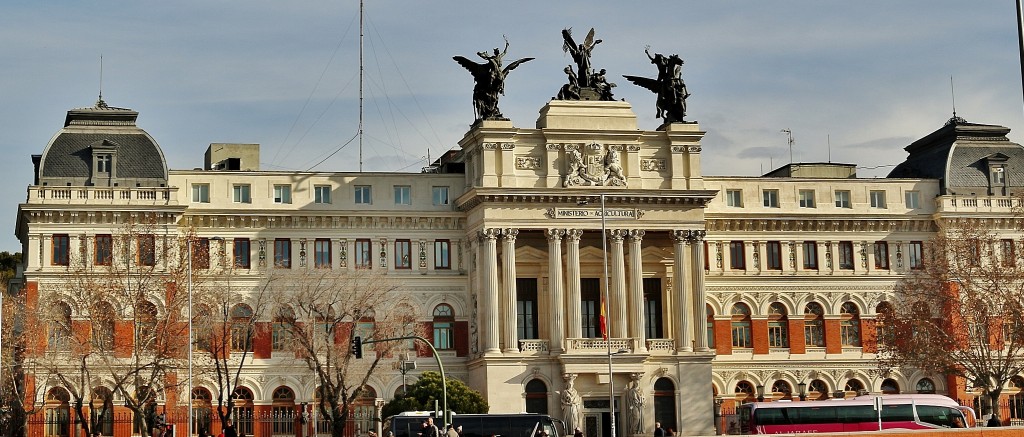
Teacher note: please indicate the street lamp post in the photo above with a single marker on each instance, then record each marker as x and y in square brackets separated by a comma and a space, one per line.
[760, 393]
[190, 346]
[803, 390]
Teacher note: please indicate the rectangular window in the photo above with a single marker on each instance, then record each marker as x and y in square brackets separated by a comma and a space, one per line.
[444, 334]
[440, 196]
[998, 176]
[916, 254]
[61, 250]
[200, 193]
[403, 254]
[913, 199]
[104, 250]
[807, 198]
[877, 199]
[590, 311]
[652, 308]
[849, 332]
[843, 199]
[771, 198]
[1009, 255]
[734, 198]
[147, 250]
[364, 254]
[737, 258]
[282, 194]
[240, 193]
[201, 253]
[846, 255]
[526, 308]
[322, 253]
[241, 252]
[881, 255]
[442, 254]
[810, 255]
[814, 333]
[322, 194]
[283, 253]
[403, 195]
[741, 335]
[773, 255]
[363, 195]
[778, 334]
[103, 163]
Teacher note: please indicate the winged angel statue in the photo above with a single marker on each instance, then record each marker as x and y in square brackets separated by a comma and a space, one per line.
[581, 54]
[489, 78]
[669, 86]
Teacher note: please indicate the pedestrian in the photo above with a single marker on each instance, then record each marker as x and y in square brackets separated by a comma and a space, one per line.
[658, 430]
[229, 431]
[577, 432]
[993, 421]
[452, 432]
[670, 433]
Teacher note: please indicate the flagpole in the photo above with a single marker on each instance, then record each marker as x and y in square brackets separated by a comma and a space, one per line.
[607, 340]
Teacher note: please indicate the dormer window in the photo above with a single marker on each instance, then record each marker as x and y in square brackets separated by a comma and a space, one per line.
[103, 164]
[996, 164]
[998, 176]
[104, 161]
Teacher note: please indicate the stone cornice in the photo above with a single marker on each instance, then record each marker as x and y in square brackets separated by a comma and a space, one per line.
[380, 220]
[692, 198]
[830, 224]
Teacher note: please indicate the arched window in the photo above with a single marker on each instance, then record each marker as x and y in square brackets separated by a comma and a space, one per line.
[1016, 397]
[364, 410]
[59, 327]
[782, 390]
[817, 390]
[146, 325]
[778, 326]
[853, 387]
[58, 413]
[201, 410]
[814, 325]
[536, 397]
[711, 325]
[665, 403]
[202, 332]
[102, 406]
[283, 411]
[744, 392]
[881, 309]
[241, 328]
[741, 326]
[849, 327]
[103, 318]
[925, 386]
[242, 417]
[280, 335]
[444, 327]
[889, 386]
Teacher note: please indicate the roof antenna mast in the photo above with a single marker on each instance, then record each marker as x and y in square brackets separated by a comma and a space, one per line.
[952, 94]
[100, 103]
[789, 133]
[360, 86]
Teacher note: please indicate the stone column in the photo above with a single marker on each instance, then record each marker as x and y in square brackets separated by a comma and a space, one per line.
[637, 321]
[488, 314]
[508, 290]
[573, 311]
[555, 296]
[700, 314]
[680, 300]
[617, 291]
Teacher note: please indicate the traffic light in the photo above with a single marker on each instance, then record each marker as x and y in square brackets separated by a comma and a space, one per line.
[357, 346]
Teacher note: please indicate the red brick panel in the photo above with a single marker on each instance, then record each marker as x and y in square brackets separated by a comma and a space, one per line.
[797, 342]
[462, 339]
[124, 338]
[759, 335]
[261, 340]
[833, 340]
[868, 336]
[723, 337]
[423, 350]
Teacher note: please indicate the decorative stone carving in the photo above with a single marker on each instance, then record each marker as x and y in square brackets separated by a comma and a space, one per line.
[527, 163]
[652, 164]
[593, 166]
[572, 404]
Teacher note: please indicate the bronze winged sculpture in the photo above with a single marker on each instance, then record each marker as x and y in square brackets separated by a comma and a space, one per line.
[580, 53]
[669, 86]
[489, 81]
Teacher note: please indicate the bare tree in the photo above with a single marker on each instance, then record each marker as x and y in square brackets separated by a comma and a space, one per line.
[115, 318]
[321, 310]
[17, 403]
[961, 312]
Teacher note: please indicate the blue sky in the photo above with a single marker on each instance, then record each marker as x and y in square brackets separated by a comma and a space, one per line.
[854, 81]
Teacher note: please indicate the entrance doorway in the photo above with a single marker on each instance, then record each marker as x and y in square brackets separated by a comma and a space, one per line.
[597, 418]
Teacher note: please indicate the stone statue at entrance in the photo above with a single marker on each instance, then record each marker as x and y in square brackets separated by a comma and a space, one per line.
[489, 81]
[671, 90]
[572, 404]
[635, 406]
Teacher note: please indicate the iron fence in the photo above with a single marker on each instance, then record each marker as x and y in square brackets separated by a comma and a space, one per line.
[276, 423]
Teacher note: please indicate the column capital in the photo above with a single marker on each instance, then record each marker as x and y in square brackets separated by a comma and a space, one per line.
[509, 234]
[696, 236]
[554, 234]
[635, 234]
[488, 234]
[616, 235]
[573, 234]
[679, 236]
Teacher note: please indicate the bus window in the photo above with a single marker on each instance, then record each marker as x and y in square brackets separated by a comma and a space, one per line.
[772, 416]
[941, 416]
[857, 414]
[826, 414]
[898, 413]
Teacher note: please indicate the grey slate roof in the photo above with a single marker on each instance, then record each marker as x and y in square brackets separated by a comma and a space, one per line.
[69, 156]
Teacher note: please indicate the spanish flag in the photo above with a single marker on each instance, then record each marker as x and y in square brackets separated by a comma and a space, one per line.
[603, 321]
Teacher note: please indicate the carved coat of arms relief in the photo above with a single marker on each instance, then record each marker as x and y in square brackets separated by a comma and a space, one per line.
[593, 164]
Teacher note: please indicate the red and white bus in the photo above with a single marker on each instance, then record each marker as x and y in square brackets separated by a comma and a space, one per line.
[910, 412]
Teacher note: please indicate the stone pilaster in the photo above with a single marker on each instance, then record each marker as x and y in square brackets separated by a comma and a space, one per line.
[555, 294]
[573, 310]
[637, 320]
[508, 290]
[489, 291]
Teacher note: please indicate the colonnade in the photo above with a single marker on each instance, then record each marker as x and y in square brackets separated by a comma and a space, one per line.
[496, 282]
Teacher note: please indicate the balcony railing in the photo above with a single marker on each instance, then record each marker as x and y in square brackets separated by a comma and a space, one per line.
[533, 346]
[599, 345]
[103, 195]
[977, 204]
